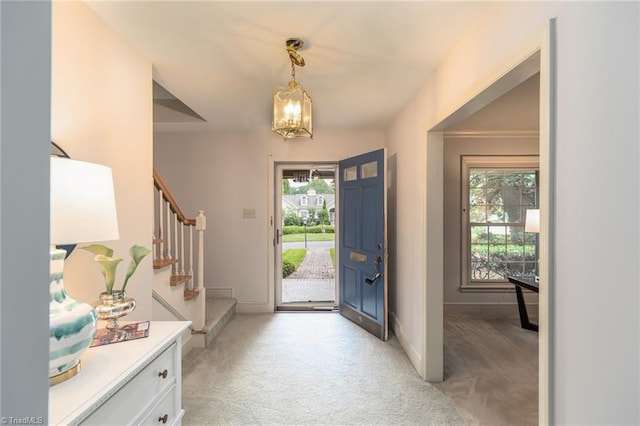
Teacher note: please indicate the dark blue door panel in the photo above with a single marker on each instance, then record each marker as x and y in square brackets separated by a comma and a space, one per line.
[362, 241]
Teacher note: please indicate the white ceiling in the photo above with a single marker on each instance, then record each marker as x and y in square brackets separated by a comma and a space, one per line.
[516, 110]
[365, 60]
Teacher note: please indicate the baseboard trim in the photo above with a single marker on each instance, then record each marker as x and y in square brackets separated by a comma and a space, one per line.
[414, 356]
[254, 308]
[219, 292]
[191, 341]
[498, 310]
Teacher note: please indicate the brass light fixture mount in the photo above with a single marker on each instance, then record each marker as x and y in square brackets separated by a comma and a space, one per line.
[293, 45]
[291, 103]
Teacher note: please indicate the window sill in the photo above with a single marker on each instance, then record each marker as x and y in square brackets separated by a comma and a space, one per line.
[487, 288]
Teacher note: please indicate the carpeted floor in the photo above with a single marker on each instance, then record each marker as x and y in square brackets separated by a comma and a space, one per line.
[491, 370]
[307, 368]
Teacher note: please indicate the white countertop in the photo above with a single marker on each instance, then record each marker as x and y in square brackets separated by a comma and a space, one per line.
[105, 369]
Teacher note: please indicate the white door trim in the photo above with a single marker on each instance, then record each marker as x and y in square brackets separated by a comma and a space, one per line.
[536, 55]
[273, 163]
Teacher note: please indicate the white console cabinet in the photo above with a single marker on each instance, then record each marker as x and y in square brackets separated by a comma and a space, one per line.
[133, 382]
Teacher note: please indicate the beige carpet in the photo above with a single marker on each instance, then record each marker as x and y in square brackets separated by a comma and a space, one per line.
[491, 370]
[307, 368]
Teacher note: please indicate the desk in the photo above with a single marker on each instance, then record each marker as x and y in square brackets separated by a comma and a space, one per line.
[530, 284]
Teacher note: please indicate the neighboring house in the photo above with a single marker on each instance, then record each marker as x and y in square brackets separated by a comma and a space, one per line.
[302, 204]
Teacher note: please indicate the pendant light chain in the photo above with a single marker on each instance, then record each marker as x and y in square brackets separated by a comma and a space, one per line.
[293, 71]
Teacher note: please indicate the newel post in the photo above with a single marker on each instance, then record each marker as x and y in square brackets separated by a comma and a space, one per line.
[201, 225]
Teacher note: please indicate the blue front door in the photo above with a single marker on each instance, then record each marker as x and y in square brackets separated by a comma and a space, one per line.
[362, 242]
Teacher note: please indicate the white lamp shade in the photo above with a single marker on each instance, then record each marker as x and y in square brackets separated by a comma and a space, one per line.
[532, 221]
[83, 205]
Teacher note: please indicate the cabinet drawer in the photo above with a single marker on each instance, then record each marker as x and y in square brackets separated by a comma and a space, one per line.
[165, 412]
[141, 392]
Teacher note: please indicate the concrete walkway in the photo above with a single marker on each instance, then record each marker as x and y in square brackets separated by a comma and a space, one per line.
[313, 281]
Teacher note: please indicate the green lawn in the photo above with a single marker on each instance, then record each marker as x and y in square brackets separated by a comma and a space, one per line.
[291, 259]
[298, 238]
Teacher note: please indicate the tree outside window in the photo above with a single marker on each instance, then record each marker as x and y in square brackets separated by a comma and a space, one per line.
[497, 198]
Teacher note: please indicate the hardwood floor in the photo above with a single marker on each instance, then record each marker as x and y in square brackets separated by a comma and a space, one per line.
[491, 370]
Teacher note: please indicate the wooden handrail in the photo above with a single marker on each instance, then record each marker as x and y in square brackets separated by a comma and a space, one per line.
[166, 194]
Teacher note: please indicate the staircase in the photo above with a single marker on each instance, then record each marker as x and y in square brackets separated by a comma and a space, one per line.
[178, 283]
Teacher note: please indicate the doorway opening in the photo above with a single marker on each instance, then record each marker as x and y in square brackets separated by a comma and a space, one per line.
[534, 57]
[305, 208]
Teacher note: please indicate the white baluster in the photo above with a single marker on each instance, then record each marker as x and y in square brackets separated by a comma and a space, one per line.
[154, 246]
[167, 253]
[181, 257]
[190, 285]
[160, 226]
[201, 225]
[176, 253]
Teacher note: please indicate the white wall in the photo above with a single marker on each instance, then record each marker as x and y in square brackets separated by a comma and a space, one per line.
[595, 330]
[102, 113]
[454, 148]
[223, 174]
[25, 36]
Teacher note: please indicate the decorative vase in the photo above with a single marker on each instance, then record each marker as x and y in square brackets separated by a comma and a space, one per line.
[72, 325]
[112, 306]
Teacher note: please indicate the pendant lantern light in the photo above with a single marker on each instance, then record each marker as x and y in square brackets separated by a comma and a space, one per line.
[291, 103]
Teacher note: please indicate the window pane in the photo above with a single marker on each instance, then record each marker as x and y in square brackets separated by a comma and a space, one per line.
[479, 234]
[369, 170]
[514, 268]
[512, 213]
[477, 179]
[513, 179]
[515, 234]
[530, 252]
[350, 173]
[515, 252]
[510, 195]
[530, 268]
[476, 196]
[497, 252]
[479, 252]
[530, 237]
[497, 197]
[494, 181]
[529, 197]
[477, 214]
[497, 234]
[479, 271]
[495, 214]
[529, 180]
[496, 274]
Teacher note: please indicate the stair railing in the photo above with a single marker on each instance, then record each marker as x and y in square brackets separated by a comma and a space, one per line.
[172, 229]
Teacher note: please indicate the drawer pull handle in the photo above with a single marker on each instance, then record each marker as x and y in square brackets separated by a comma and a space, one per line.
[164, 418]
[163, 374]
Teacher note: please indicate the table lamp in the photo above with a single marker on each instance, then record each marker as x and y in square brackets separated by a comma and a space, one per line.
[82, 210]
[532, 221]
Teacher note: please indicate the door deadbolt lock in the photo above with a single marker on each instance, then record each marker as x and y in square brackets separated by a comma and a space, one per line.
[378, 275]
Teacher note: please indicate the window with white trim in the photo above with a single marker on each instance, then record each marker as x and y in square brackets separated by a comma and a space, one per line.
[304, 200]
[496, 193]
[319, 200]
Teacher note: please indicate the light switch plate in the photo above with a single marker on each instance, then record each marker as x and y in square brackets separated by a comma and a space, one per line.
[248, 213]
